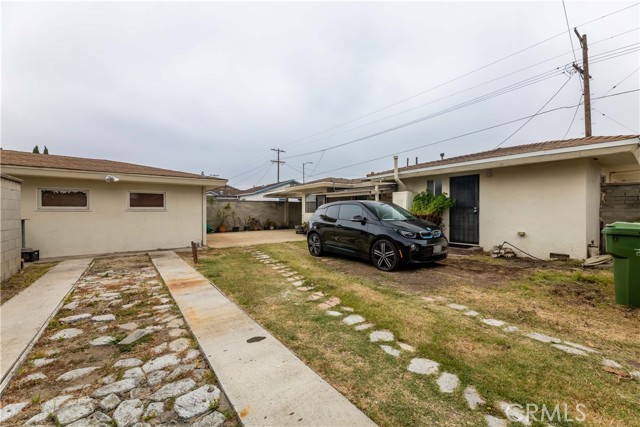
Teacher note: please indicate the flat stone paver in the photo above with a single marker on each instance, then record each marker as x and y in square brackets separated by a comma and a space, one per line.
[543, 338]
[423, 366]
[448, 382]
[353, 319]
[41, 301]
[264, 381]
[472, 397]
[384, 336]
[569, 349]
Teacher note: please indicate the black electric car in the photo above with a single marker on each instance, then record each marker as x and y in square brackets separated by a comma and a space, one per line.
[381, 232]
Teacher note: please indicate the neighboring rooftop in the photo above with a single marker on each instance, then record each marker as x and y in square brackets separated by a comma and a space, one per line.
[516, 149]
[51, 161]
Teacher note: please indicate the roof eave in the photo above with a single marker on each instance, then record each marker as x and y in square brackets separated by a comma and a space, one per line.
[29, 171]
[542, 156]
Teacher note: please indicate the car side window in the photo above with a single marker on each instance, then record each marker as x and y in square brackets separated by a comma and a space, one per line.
[349, 211]
[332, 213]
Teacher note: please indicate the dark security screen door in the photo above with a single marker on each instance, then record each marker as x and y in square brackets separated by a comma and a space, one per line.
[464, 216]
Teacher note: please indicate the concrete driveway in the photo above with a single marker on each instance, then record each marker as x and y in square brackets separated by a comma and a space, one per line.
[249, 238]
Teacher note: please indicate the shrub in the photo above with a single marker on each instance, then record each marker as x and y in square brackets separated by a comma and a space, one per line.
[427, 206]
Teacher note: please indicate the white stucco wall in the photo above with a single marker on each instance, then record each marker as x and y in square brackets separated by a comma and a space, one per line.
[10, 220]
[556, 204]
[108, 226]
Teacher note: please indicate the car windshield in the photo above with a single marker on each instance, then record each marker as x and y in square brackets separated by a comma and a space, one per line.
[390, 212]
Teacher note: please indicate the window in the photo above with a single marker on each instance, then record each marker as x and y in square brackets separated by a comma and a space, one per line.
[332, 213]
[434, 186]
[313, 201]
[146, 201]
[349, 211]
[63, 199]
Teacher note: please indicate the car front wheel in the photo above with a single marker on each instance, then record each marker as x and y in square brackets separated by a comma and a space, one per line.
[384, 255]
[315, 244]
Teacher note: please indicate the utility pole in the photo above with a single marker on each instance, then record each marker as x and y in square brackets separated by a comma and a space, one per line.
[279, 162]
[584, 71]
[305, 163]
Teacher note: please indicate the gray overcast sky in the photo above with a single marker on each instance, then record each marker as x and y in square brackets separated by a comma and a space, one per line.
[210, 86]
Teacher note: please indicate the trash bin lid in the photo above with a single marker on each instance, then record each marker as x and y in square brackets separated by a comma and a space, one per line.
[623, 228]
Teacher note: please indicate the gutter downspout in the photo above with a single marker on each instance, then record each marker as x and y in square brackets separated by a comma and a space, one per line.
[396, 178]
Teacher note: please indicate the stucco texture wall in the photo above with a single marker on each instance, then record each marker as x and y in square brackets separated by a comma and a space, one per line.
[108, 226]
[11, 229]
[554, 204]
[263, 210]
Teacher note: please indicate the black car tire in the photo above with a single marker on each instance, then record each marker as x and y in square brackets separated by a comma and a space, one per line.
[385, 255]
[315, 244]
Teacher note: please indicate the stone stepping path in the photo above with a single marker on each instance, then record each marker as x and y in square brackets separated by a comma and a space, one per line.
[565, 346]
[448, 383]
[161, 379]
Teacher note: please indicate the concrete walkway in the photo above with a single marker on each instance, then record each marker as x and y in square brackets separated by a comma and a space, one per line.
[264, 381]
[25, 316]
[250, 238]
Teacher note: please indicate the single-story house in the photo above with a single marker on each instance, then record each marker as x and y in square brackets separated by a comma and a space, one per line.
[224, 193]
[325, 190]
[543, 198]
[79, 206]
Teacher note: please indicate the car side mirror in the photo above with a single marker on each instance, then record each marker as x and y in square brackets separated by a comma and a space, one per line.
[358, 218]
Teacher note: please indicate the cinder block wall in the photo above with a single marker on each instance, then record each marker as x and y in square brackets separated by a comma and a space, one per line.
[261, 210]
[11, 230]
[620, 202]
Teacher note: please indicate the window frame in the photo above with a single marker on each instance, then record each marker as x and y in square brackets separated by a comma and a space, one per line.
[40, 207]
[129, 208]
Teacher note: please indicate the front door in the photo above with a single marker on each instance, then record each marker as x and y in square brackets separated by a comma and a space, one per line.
[464, 217]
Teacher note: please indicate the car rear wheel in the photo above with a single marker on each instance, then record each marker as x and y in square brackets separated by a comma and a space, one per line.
[384, 255]
[315, 244]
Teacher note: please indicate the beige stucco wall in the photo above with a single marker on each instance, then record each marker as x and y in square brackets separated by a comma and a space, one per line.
[108, 226]
[556, 205]
[11, 233]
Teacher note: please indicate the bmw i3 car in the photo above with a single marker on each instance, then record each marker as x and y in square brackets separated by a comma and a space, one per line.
[384, 233]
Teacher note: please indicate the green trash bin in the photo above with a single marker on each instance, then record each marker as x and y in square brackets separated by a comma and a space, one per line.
[623, 243]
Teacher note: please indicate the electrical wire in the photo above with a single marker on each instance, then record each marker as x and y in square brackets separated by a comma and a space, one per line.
[566, 18]
[575, 113]
[515, 247]
[265, 174]
[457, 78]
[614, 120]
[475, 100]
[527, 122]
[386, 156]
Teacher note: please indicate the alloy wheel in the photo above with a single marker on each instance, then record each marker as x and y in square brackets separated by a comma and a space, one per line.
[315, 245]
[384, 255]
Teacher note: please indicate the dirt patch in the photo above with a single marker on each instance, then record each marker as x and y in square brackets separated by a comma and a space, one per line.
[455, 270]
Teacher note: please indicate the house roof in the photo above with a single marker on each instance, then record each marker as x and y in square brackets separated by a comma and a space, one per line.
[51, 161]
[226, 191]
[514, 150]
[266, 187]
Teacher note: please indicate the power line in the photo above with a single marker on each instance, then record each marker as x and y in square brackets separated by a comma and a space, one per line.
[622, 81]
[459, 92]
[465, 90]
[566, 18]
[423, 118]
[471, 133]
[615, 121]
[265, 174]
[575, 113]
[456, 78]
[545, 104]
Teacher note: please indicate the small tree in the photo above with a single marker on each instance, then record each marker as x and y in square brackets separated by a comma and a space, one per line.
[427, 206]
[36, 150]
[46, 150]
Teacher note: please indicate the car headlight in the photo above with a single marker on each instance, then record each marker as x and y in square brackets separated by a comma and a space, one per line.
[408, 234]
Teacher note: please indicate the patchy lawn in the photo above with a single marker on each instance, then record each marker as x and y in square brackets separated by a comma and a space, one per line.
[22, 280]
[559, 300]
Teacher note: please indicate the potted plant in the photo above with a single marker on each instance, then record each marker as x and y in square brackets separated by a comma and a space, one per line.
[223, 215]
[269, 225]
[431, 208]
[253, 223]
[247, 227]
[236, 221]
